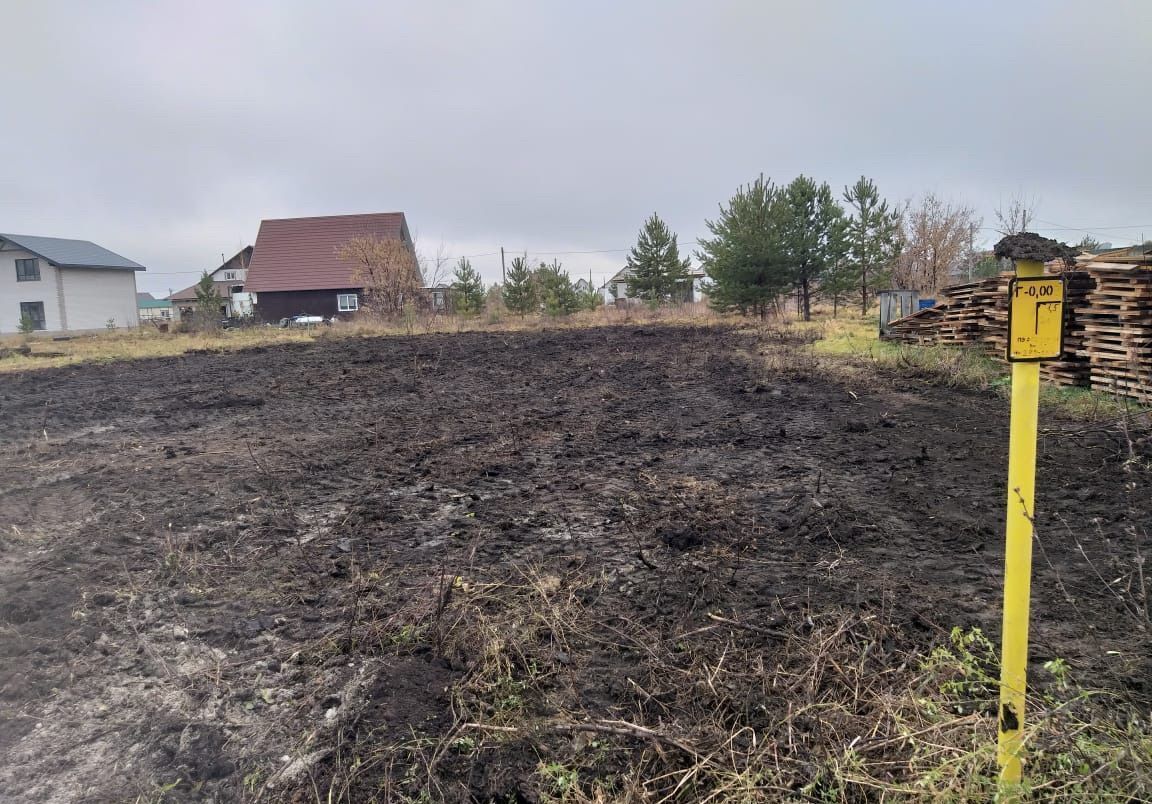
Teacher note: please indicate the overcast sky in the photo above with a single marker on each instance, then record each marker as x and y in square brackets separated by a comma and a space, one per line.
[166, 131]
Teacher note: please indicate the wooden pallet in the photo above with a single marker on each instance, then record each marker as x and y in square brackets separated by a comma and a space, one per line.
[1107, 335]
[1117, 331]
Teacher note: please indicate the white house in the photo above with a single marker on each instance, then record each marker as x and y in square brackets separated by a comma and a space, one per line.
[228, 280]
[64, 285]
[153, 310]
[616, 287]
[615, 290]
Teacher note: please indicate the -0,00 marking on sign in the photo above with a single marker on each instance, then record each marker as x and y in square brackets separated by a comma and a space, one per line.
[1035, 318]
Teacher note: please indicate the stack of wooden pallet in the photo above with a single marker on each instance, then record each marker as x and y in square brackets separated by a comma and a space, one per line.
[1074, 368]
[1108, 323]
[994, 298]
[918, 328]
[1117, 330]
[958, 319]
[964, 317]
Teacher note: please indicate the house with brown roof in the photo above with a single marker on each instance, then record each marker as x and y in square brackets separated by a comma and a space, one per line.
[229, 280]
[296, 268]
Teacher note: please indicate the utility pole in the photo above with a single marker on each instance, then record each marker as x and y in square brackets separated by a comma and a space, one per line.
[503, 270]
[971, 250]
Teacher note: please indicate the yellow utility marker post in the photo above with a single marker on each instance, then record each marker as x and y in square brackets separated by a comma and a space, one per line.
[1035, 333]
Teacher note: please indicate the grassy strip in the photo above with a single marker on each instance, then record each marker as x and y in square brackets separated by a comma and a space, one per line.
[855, 341]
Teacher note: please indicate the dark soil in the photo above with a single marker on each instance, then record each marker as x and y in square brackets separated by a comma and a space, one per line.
[221, 573]
[1031, 246]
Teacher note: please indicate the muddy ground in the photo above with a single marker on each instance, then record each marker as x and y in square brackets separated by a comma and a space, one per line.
[252, 576]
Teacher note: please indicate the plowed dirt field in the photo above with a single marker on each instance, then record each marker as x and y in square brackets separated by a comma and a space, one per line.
[438, 565]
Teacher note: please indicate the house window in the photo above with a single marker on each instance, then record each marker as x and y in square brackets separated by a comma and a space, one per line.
[229, 275]
[347, 302]
[34, 311]
[28, 270]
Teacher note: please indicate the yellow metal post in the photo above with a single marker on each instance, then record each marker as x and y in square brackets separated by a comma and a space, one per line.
[1018, 555]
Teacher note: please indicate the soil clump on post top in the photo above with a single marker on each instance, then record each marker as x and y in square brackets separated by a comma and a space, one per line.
[1031, 246]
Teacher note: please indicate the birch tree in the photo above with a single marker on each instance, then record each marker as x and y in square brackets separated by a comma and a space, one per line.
[935, 243]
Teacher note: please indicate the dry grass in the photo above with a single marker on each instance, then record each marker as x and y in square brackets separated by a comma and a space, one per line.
[147, 342]
[804, 706]
[138, 345]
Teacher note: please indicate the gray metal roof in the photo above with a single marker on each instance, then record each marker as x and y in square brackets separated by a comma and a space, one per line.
[72, 253]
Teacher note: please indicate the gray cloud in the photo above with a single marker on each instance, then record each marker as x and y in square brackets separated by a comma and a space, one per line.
[167, 131]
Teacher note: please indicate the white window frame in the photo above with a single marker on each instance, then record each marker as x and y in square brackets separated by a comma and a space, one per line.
[343, 305]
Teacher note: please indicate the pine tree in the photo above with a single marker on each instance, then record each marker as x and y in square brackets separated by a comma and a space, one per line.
[987, 265]
[520, 288]
[556, 291]
[655, 271]
[742, 258]
[873, 238]
[207, 314]
[467, 289]
[839, 283]
[811, 236]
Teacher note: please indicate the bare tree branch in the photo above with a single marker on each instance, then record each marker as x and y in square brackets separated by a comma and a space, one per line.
[387, 269]
[1017, 216]
[936, 243]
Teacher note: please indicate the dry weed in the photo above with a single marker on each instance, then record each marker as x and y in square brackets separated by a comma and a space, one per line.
[804, 706]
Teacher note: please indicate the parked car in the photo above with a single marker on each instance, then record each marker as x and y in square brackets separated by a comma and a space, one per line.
[304, 320]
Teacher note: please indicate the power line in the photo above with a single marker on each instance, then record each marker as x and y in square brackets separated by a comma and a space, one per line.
[591, 251]
[1094, 232]
[1083, 229]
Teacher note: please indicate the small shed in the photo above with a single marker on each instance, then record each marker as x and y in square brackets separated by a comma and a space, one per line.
[896, 304]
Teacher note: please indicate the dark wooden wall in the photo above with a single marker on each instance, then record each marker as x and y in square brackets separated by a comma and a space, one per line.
[272, 306]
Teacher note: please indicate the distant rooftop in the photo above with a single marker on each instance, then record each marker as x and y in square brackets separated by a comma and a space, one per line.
[302, 253]
[65, 253]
